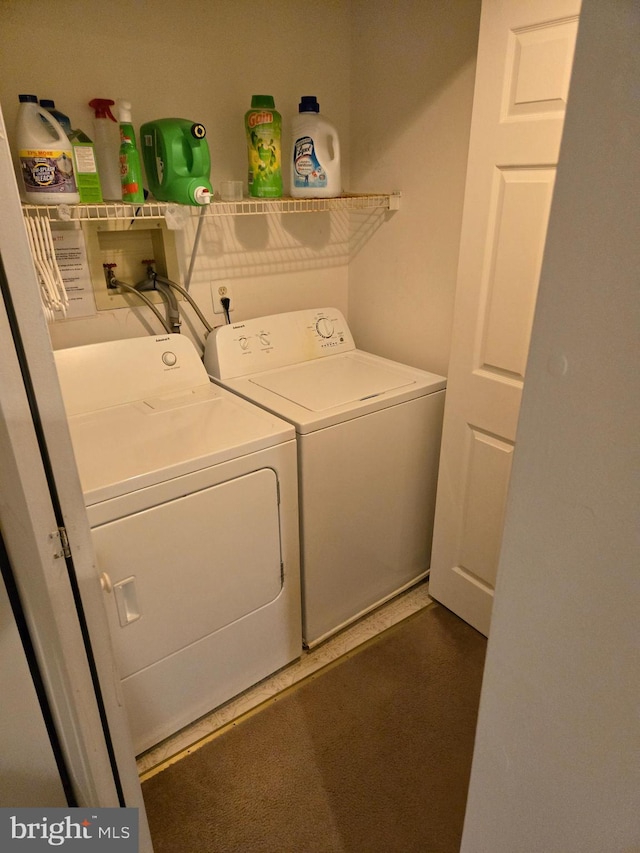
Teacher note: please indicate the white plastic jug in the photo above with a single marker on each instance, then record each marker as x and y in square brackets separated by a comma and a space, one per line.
[315, 159]
[46, 156]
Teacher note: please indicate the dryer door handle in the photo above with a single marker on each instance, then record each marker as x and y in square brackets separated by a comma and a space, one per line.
[127, 601]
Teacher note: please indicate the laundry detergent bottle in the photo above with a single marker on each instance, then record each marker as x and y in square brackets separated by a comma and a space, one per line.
[315, 158]
[177, 160]
[46, 156]
[263, 126]
[63, 120]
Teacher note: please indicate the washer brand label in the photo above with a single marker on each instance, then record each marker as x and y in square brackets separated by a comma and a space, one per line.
[82, 830]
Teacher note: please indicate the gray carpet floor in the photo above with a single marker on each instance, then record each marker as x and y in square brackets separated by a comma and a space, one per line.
[370, 755]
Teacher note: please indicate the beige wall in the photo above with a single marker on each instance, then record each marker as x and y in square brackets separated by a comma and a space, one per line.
[412, 73]
[395, 78]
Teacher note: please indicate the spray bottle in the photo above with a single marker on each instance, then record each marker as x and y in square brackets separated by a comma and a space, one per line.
[107, 145]
[130, 166]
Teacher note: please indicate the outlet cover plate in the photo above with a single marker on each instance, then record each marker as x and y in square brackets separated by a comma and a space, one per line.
[218, 292]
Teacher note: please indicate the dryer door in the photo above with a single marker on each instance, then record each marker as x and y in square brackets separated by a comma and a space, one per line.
[184, 575]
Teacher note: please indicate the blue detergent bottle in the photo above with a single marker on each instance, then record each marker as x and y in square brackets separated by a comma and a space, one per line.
[62, 119]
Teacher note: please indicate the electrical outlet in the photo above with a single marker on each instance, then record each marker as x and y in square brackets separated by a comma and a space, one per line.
[220, 291]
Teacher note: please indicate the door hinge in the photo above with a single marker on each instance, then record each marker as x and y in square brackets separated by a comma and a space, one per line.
[63, 539]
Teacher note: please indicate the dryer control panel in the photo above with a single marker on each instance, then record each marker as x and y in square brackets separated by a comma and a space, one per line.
[113, 373]
[265, 343]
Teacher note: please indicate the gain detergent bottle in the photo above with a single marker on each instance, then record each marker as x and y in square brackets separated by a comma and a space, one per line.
[263, 127]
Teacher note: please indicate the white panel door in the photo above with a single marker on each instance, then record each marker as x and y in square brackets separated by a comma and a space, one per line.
[525, 56]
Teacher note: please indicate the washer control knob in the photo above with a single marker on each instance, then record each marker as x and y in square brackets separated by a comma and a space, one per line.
[324, 327]
[264, 340]
[244, 342]
[169, 358]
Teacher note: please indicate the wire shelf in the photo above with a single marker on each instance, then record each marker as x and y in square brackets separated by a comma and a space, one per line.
[246, 207]
[252, 206]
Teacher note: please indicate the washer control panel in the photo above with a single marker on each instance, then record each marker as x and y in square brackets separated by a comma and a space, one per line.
[240, 349]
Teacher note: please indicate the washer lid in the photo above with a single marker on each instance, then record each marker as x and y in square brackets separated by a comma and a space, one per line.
[335, 381]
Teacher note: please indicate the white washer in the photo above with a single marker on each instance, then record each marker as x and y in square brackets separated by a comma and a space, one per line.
[191, 495]
[368, 433]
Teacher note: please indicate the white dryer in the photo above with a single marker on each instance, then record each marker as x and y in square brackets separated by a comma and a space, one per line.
[191, 495]
[368, 432]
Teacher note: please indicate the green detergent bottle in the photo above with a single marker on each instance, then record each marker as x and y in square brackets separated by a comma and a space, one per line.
[177, 160]
[263, 127]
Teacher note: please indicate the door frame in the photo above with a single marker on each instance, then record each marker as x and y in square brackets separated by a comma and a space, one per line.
[40, 493]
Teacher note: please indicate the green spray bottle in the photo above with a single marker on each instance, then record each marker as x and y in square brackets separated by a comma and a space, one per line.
[130, 166]
[263, 126]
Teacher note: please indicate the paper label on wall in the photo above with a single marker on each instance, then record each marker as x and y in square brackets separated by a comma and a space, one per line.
[71, 257]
